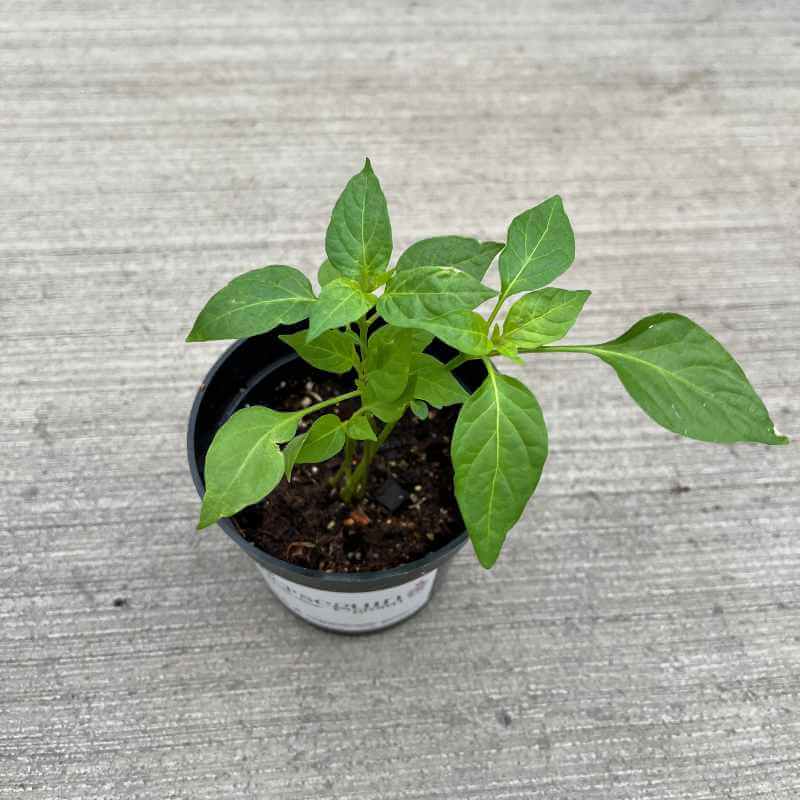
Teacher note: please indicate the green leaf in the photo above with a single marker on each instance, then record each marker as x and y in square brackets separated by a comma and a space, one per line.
[685, 380]
[387, 364]
[425, 293]
[419, 409]
[505, 348]
[469, 255]
[332, 351]
[434, 383]
[388, 411]
[243, 463]
[540, 247]
[543, 316]
[327, 273]
[341, 301]
[359, 237]
[324, 439]
[254, 303]
[360, 428]
[499, 448]
[420, 339]
[466, 331]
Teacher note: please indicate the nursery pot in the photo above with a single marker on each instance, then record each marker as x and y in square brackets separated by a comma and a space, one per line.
[249, 373]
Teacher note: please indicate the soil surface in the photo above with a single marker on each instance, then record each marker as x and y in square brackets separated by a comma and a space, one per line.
[305, 523]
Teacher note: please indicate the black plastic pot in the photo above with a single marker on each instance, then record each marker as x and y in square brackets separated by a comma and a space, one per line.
[249, 373]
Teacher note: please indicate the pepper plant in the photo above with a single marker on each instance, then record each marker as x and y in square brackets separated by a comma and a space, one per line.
[677, 372]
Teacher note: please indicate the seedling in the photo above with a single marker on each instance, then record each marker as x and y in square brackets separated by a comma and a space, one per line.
[673, 369]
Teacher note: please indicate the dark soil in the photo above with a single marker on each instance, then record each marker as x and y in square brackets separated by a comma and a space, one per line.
[305, 523]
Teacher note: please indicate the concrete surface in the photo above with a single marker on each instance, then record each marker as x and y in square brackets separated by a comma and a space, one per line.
[640, 638]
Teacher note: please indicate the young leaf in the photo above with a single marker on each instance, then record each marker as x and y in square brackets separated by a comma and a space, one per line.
[499, 448]
[434, 383]
[324, 439]
[390, 411]
[425, 293]
[469, 255]
[243, 463]
[543, 316]
[360, 428]
[505, 348]
[359, 237]
[419, 409]
[253, 303]
[332, 351]
[686, 381]
[327, 273]
[540, 247]
[464, 330]
[387, 364]
[340, 301]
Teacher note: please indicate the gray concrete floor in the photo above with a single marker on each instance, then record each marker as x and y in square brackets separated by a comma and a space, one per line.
[640, 637]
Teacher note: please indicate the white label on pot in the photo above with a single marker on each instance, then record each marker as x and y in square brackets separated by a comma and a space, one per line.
[354, 612]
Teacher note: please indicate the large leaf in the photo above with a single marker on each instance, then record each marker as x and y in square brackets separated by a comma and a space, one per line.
[359, 238]
[466, 331]
[341, 301]
[540, 247]
[324, 439]
[434, 383]
[244, 463]
[684, 379]
[254, 303]
[499, 448]
[425, 293]
[461, 252]
[543, 316]
[332, 351]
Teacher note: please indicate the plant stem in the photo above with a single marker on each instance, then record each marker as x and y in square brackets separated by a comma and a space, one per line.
[457, 361]
[496, 310]
[356, 484]
[332, 401]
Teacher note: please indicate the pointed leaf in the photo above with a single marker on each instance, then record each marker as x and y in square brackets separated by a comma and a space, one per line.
[290, 453]
[254, 303]
[360, 428]
[499, 448]
[359, 237]
[332, 351]
[341, 301]
[540, 247]
[434, 383]
[543, 316]
[685, 380]
[243, 463]
[468, 255]
[323, 440]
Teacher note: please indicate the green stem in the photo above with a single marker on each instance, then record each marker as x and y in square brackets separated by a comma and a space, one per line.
[496, 310]
[356, 484]
[562, 348]
[330, 402]
[457, 361]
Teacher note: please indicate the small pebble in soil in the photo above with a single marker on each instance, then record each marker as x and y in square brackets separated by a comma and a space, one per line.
[392, 495]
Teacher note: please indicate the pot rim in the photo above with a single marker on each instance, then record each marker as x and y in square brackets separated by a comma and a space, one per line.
[278, 565]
